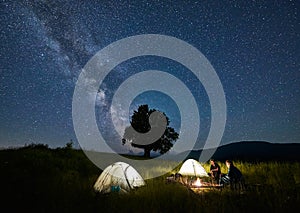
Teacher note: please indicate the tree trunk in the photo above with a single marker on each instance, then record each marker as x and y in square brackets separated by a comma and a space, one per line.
[147, 153]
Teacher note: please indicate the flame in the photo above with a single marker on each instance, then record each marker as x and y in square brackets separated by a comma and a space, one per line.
[197, 182]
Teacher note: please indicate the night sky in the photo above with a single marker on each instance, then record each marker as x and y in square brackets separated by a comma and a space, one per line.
[253, 47]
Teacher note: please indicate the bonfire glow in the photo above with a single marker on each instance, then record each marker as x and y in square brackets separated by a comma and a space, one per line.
[197, 182]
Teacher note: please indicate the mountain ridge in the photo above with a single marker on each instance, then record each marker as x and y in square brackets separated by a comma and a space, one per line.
[250, 151]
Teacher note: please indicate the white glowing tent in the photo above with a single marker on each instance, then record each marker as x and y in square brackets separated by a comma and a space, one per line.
[192, 167]
[119, 176]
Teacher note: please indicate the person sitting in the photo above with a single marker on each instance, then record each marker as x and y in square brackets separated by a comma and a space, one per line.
[215, 171]
[234, 176]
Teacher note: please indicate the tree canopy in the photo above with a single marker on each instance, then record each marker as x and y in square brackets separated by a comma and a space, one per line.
[141, 125]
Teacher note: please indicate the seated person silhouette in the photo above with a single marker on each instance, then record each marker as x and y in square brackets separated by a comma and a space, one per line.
[215, 171]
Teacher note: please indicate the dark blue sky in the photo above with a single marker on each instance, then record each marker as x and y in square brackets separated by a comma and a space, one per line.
[253, 47]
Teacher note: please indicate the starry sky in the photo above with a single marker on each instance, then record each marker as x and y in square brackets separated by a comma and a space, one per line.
[252, 45]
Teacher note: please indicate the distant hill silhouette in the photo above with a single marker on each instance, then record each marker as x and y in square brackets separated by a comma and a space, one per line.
[251, 151]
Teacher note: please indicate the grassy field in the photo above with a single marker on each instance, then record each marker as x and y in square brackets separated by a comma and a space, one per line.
[39, 179]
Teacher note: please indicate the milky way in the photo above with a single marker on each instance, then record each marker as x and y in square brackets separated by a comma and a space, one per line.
[253, 46]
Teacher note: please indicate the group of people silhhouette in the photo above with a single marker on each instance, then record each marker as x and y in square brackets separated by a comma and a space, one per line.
[232, 177]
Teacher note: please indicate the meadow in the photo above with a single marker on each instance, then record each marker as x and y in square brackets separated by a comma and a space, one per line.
[39, 179]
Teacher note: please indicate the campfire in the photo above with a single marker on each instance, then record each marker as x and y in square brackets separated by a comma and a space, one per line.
[197, 183]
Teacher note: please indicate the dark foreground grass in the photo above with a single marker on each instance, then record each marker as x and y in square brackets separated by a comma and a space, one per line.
[61, 180]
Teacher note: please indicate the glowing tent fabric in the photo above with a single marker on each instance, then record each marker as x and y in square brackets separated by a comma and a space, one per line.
[192, 167]
[118, 177]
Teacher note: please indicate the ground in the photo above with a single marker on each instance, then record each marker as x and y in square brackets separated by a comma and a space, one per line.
[48, 180]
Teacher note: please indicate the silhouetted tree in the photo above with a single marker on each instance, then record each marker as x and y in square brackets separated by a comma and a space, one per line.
[140, 123]
[70, 144]
[36, 146]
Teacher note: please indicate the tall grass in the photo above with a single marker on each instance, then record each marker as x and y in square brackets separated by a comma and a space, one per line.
[44, 180]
